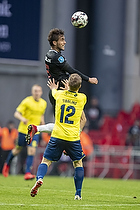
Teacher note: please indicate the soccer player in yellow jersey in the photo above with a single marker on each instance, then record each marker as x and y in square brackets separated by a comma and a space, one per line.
[30, 110]
[65, 134]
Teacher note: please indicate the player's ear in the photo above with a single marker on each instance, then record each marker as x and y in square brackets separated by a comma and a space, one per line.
[54, 43]
[79, 87]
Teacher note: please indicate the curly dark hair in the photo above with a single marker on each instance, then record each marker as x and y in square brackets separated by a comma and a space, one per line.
[54, 35]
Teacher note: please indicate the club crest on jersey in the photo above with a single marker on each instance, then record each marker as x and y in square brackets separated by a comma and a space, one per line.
[61, 59]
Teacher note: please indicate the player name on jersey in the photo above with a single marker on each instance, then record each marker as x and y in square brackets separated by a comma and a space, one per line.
[69, 101]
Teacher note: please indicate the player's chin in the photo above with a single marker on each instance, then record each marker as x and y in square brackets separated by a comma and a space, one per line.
[62, 48]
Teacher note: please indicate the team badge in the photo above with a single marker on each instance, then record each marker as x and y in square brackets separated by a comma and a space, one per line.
[61, 59]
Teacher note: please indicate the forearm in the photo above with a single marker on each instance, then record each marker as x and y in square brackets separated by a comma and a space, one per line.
[71, 70]
[42, 120]
[82, 121]
[19, 116]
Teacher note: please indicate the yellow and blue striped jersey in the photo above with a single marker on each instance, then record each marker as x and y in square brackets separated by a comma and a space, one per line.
[68, 111]
[32, 110]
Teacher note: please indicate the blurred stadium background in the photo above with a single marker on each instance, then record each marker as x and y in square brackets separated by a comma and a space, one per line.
[108, 48]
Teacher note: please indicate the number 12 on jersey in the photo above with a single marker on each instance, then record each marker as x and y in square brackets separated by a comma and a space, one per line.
[65, 118]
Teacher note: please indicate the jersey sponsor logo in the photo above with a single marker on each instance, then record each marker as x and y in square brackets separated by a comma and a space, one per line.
[47, 59]
[61, 59]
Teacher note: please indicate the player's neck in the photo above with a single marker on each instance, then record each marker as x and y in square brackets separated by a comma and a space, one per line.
[55, 49]
[36, 99]
[73, 91]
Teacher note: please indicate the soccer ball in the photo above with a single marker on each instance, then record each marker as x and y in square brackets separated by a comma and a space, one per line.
[79, 19]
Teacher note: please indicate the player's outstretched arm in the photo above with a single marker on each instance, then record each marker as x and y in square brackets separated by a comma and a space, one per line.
[70, 70]
[93, 80]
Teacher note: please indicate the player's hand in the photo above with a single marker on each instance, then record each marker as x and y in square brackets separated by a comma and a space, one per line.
[93, 80]
[25, 121]
[51, 84]
[65, 83]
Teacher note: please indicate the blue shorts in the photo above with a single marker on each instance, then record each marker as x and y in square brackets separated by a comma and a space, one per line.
[56, 146]
[22, 141]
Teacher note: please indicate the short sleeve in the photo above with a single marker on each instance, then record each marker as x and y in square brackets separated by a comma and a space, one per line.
[22, 106]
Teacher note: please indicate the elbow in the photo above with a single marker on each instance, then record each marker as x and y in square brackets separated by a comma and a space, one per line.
[15, 114]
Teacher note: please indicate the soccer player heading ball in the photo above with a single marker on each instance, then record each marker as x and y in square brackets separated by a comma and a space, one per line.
[56, 65]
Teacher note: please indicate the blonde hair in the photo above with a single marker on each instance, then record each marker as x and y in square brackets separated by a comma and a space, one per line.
[75, 82]
[36, 85]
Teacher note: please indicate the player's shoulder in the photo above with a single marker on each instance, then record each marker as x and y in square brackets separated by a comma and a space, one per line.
[25, 102]
[51, 54]
[43, 101]
[29, 98]
[82, 95]
[54, 56]
[26, 99]
[58, 91]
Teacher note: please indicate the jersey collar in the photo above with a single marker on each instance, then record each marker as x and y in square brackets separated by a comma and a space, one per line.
[72, 91]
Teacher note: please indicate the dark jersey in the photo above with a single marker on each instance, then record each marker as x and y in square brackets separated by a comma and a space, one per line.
[58, 68]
